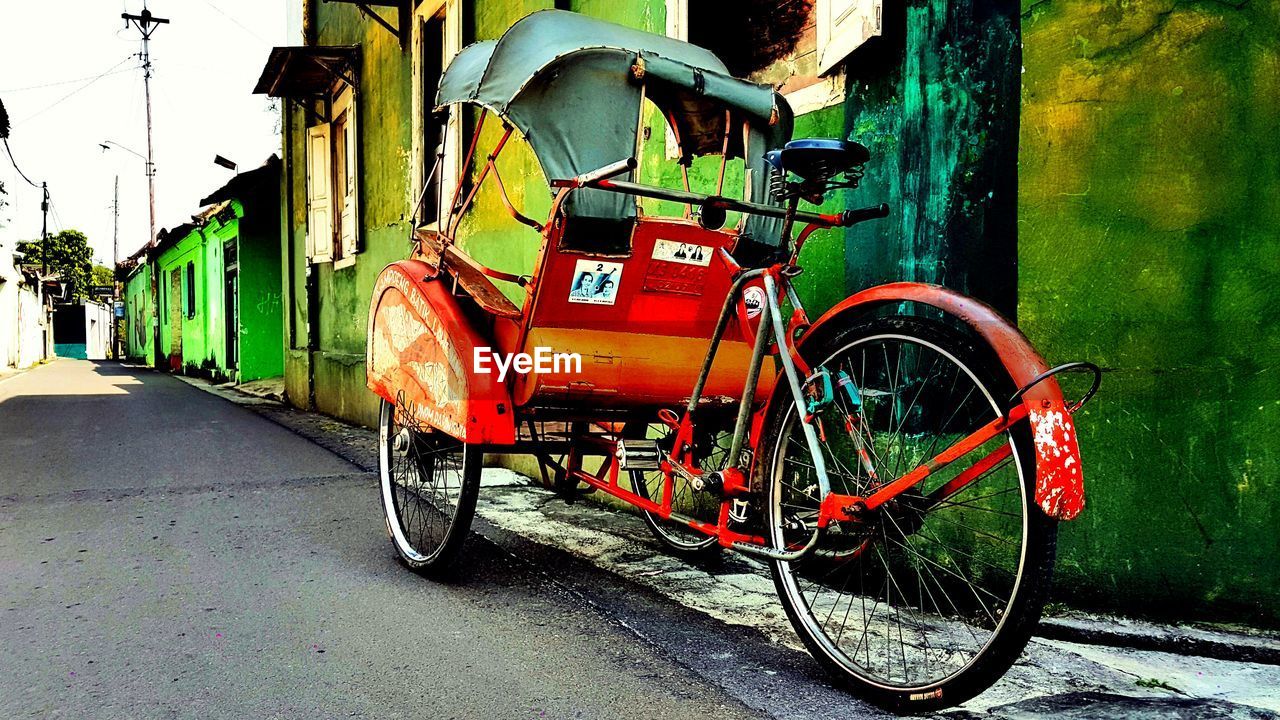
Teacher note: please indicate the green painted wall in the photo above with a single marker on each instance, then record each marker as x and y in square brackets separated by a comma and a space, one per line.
[935, 99]
[194, 337]
[1150, 243]
[197, 341]
[261, 324]
[384, 120]
[139, 314]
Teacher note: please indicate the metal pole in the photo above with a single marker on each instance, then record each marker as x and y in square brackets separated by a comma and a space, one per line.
[116, 345]
[115, 226]
[145, 22]
[44, 230]
[151, 164]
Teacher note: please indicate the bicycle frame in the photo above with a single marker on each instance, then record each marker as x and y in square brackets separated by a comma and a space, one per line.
[834, 507]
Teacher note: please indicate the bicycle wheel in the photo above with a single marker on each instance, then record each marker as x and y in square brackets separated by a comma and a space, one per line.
[429, 486]
[684, 499]
[930, 599]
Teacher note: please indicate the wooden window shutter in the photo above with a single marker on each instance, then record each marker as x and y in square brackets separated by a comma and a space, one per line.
[349, 204]
[843, 26]
[319, 195]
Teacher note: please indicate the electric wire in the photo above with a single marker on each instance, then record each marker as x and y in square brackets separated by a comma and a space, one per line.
[9, 91]
[223, 13]
[71, 94]
[15, 165]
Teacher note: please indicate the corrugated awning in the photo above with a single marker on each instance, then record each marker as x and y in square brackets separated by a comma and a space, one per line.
[308, 71]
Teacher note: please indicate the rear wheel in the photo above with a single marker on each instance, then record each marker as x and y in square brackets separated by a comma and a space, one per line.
[429, 486]
[685, 499]
[930, 599]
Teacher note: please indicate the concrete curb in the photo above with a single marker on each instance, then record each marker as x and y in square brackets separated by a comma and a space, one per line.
[1248, 646]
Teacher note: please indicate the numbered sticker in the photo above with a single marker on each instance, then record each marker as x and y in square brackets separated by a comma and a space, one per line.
[678, 252]
[595, 282]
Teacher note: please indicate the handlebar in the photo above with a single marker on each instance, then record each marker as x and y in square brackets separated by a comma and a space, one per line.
[853, 217]
[601, 179]
[595, 176]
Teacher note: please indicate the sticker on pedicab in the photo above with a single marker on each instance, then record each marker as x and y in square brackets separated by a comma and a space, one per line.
[679, 252]
[753, 299]
[595, 282]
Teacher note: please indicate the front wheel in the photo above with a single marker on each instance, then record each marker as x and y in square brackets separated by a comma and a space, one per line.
[429, 486]
[929, 599]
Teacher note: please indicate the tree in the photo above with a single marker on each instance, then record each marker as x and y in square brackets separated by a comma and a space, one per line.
[102, 275]
[69, 256]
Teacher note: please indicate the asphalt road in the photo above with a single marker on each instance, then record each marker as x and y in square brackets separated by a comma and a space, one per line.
[166, 554]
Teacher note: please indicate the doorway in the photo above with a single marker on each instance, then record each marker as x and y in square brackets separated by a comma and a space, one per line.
[232, 304]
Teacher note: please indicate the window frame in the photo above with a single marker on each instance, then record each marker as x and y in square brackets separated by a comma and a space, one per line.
[828, 91]
[191, 289]
[837, 43]
[423, 102]
[342, 234]
[346, 231]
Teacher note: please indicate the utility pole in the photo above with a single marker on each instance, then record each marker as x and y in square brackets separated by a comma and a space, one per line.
[115, 227]
[146, 23]
[115, 263]
[44, 230]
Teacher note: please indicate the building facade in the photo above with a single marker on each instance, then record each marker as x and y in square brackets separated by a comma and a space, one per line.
[1088, 169]
[24, 319]
[82, 330]
[218, 283]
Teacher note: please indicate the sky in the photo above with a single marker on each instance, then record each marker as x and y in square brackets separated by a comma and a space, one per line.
[53, 56]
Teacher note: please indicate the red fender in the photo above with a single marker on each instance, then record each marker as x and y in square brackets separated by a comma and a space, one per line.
[1059, 476]
[420, 349]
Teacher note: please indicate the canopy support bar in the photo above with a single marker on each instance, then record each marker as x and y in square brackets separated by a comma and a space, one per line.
[403, 16]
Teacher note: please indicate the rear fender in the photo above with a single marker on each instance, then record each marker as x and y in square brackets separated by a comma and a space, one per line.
[419, 354]
[1059, 476]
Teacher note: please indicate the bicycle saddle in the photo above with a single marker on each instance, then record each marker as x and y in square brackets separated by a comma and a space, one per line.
[818, 159]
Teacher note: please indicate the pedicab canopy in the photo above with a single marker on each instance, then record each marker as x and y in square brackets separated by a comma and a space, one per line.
[574, 86]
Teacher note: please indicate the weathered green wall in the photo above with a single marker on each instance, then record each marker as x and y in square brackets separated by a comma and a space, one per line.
[202, 335]
[261, 326]
[384, 120]
[935, 99]
[1150, 243]
[139, 313]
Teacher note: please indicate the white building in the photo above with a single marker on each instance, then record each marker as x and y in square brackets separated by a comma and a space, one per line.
[24, 323]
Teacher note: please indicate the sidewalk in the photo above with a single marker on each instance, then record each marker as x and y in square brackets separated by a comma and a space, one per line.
[1078, 665]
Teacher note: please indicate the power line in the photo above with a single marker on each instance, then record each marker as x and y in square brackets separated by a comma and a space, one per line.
[57, 220]
[220, 11]
[15, 164]
[61, 82]
[62, 99]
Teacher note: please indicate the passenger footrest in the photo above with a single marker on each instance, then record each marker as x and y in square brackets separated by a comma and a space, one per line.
[638, 455]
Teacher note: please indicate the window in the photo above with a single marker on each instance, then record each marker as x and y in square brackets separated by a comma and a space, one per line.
[191, 290]
[333, 188]
[798, 46]
[843, 26]
[437, 37]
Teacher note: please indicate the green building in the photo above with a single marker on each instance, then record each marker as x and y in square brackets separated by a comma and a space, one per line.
[218, 286]
[1091, 169]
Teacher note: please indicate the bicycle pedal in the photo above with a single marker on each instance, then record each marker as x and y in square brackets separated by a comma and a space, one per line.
[638, 455]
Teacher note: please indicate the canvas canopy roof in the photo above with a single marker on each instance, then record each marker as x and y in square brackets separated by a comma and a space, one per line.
[573, 86]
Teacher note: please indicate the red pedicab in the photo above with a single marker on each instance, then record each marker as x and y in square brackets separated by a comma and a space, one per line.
[901, 462]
